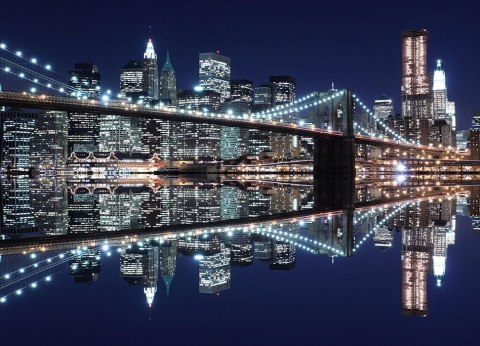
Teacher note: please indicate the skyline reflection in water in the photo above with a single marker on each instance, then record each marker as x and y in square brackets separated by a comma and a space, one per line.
[277, 258]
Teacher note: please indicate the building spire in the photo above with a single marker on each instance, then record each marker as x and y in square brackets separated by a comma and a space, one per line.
[150, 51]
[167, 65]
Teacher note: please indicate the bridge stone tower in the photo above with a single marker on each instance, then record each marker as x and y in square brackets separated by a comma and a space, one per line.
[334, 160]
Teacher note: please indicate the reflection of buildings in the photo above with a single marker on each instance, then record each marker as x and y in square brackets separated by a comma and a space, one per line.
[215, 272]
[139, 263]
[16, 212]
[168, 262]
[86, 267]
[262, 250]
[415, 264]
[283, 256]
[50, 206]
[383, 237]
[83, 213]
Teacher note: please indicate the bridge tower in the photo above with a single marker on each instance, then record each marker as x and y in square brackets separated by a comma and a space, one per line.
[334, 162]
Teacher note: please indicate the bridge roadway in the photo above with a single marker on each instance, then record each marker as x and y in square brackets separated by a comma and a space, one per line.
[70, 104]
[122, 237]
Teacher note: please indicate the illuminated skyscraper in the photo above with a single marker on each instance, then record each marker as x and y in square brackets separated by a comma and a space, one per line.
[241, 91]
[194, 141]
[415, 78]
[17, 130]
[214, 272]
[86, 79]
[131, 80]
[383, 108]
[83, 132]
[168, 82]
[284, 89]
[119, 134]
[214, 73]
[150, 73]
[439, 93]
[50, 141]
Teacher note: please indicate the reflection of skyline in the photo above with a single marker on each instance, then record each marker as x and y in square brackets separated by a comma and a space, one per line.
[424, 250]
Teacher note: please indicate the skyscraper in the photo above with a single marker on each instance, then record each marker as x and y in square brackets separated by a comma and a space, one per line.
[50, 141]
[83, 128]
[383, 108]
[85, 78]
[241, 91]
[131, 80]
[17, 129]
[168, 82]
[439, 90]
[415, 78]
[214, 73]
[119, 134]
[284, 89]
[150, 73]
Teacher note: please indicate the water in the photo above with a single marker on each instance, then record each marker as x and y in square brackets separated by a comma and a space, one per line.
[212, 262]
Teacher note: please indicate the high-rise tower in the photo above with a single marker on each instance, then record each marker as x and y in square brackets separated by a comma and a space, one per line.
[168, 82]
[150, 73]
[415, 78]
[439, 92]
[214, 73]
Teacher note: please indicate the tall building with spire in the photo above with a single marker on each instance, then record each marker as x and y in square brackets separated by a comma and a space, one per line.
[150, 73]
[439, 92]
[415, 77]
[168, 82]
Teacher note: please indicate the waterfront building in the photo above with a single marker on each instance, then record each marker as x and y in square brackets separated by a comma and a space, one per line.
[16, 211]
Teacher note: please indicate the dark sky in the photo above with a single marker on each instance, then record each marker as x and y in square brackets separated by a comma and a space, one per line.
[356, 44]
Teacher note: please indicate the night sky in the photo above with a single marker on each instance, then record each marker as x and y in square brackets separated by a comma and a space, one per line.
[356, 44]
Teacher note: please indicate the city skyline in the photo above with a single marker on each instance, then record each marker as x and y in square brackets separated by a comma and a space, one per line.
[270, 58]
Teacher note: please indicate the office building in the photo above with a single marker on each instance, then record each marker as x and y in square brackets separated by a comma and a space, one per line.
[383, 108]
[168, 83]
[241, 91]
[475, 137]
[284, 89]
[50, 140]
[131, 80]
[119, 134]
[283, 256]
[17, 129]
[150, 73]
[85, 79]
[214, 74]
[415, 78]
